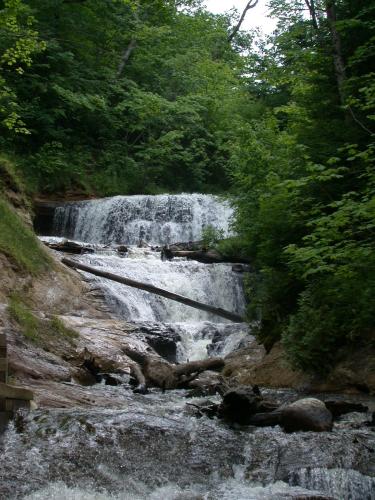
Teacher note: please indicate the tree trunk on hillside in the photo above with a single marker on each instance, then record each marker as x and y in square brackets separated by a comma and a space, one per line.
[338, 59]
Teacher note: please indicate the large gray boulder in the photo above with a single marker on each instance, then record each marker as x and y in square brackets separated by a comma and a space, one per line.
[308, 414]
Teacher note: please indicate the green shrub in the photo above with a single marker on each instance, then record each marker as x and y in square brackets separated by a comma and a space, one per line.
[233, 248]
[20, 312]
[19, 243]
[211, 236]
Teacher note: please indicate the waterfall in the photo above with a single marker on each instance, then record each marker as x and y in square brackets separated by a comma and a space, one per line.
[161, 219]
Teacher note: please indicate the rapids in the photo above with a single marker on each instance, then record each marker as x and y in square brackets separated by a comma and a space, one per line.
[154, 447]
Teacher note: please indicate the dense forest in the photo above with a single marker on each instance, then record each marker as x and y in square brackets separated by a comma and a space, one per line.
[104, 97]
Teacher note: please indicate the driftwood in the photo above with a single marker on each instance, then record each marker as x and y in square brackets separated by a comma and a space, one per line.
[69, 247]
[210, 257]
[150, 370]
[157, 291]
[200, 255]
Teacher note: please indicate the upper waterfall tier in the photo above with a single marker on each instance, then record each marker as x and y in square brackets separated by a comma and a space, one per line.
[160, 219]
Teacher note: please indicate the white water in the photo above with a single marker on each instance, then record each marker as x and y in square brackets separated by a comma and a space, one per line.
[161, 219]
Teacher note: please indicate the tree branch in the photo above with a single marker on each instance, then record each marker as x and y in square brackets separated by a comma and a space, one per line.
[311, 6]
[127, 53]
[250, 5]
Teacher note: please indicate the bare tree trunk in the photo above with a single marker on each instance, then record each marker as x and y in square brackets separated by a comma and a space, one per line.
[128, 52]
[311, 6]
[337, 50]
[250, 5]
[157, 291]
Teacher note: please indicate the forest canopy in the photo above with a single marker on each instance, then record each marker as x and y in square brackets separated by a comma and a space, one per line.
[104, 97]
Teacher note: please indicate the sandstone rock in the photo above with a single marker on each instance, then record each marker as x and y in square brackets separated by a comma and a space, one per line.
[308, 414]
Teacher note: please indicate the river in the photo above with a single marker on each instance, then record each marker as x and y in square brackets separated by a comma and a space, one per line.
[154, 447]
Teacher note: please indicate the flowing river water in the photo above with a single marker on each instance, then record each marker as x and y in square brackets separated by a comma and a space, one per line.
[154, 447]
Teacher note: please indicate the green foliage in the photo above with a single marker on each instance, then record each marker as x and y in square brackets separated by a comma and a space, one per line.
[37, 330]
[19, 243]
[305, 188]
[18, 44]
[10, 178]
[21, 313]
[232, 248]
[211, 236]
[128, 97]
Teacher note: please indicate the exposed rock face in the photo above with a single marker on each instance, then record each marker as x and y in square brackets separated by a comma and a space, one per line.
[162, 338]
[271, 370]
[353, 375]
[307, 414]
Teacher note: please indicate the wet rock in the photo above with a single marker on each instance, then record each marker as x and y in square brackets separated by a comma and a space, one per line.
[203, 407]
[121, 249]
[162, 338]
[338, 408]
[266, 419]
[371, 423]
[111, 379]
[70, 247]
[307, 414]
[240, 268]
[207, 383]
[240, 404]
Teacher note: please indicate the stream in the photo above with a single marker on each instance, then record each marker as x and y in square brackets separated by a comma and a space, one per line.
[155, 447]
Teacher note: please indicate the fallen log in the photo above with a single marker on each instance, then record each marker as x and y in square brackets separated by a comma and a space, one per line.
[210, 257]
[218, 311]
[150, 370]
[69, 247]
[204, 256]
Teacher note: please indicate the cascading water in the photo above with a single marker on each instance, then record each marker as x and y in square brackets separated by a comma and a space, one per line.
[153, 447]
[161, 219]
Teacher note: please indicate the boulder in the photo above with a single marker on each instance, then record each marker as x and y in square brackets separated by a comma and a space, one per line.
[338, 408]
[121, 249]
[240, 404]
[308, 414]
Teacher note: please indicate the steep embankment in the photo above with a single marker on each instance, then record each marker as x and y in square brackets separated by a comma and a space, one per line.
[36, 291]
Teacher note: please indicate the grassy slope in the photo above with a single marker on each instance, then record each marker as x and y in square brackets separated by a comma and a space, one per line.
[17, 241]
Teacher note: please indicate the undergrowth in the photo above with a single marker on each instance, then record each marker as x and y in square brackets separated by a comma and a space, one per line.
[37, 330]
[19, 243]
